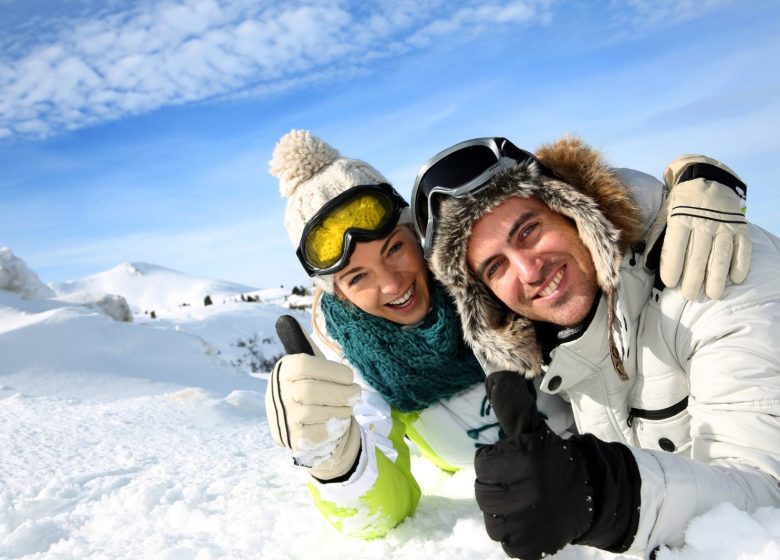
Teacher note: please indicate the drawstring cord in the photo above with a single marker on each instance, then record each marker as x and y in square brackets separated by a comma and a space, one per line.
[617, 363]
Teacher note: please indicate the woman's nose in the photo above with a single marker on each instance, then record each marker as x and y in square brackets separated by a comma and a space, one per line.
[389, 281]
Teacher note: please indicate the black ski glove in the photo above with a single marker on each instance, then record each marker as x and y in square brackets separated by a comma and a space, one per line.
[539, 492]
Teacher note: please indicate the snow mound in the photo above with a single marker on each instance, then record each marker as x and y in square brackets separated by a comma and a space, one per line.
[16, 276]
[113, 305]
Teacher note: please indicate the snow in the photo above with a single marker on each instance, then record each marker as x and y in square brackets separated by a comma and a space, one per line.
[113, 305]
[148, 286]
[148, 439]
[16, 276]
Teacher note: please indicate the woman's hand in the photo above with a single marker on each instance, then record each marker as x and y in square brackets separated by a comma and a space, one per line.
[309, 402]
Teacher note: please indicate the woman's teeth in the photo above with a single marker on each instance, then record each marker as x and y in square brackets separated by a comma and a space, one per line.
[552, 285]
[404, 299]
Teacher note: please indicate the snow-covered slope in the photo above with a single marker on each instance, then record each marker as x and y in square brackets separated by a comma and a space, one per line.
[148, 439]
[46, 344]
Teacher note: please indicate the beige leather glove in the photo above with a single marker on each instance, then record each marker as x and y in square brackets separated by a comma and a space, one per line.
[309, 403]
[707, 240]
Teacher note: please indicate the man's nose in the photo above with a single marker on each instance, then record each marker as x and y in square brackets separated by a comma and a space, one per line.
[527, 267]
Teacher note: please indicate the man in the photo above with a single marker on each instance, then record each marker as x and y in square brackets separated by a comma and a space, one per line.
[677, 398]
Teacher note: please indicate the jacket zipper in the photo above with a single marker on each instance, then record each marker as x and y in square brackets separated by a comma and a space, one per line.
[661, 414]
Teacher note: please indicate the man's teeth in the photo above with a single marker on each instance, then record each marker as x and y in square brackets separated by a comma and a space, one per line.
[552, 285]
[404, 299]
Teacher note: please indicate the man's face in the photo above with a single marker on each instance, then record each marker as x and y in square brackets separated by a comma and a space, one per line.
[534, 261]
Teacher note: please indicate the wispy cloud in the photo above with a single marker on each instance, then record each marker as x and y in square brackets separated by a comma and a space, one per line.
[648, 13]
[168, 53]
[73, 70]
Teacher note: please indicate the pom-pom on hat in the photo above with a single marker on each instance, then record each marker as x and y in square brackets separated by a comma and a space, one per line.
[311, 172]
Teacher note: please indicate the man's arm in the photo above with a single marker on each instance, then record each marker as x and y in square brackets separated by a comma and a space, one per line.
[729, 351]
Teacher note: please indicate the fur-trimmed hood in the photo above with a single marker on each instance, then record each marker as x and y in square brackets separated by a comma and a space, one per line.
[587, 190]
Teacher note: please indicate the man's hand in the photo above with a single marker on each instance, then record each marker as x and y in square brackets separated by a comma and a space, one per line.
[539, 492]
[309, 402]
[532, 486]
[707, 240]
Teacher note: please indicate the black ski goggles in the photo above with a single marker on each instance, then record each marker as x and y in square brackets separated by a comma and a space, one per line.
[361, 213]
[458, 171]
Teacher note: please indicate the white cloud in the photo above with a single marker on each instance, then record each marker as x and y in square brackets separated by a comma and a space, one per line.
[169, 53]
[477, 19]
[33, 126]
[79, 71]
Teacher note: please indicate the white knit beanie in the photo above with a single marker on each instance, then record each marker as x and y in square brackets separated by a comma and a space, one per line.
[310, 173]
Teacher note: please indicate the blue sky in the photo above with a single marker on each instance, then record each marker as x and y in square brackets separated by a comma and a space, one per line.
[141, 131]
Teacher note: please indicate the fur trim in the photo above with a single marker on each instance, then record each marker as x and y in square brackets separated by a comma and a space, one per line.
[579, 164]
[585, 190]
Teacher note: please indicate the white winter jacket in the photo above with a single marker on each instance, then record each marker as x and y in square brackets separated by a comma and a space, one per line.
[700, 402]
[704, 383]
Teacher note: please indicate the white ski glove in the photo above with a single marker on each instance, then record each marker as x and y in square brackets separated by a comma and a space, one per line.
[309, 403]
[707, 240]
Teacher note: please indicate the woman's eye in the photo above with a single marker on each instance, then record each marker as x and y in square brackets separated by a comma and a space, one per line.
[356, 279]
[395, 248]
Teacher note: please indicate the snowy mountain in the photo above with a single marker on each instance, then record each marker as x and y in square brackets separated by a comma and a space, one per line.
[215, 347]
[146, 437]
[148, 286]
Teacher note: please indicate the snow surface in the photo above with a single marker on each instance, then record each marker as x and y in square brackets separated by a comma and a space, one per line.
[149, 440]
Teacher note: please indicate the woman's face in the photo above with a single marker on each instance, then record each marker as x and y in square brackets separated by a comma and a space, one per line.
[388, 278]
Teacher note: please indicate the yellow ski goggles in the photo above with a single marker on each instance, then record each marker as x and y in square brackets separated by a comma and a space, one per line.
[362, 213]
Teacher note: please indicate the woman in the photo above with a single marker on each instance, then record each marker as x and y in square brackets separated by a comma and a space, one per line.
[380, 316]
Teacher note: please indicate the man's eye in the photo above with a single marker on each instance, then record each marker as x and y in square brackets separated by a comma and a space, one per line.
[356, 279]
[492, 270]
[528, 230]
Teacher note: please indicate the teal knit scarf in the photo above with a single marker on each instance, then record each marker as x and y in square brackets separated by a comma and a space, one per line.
[412, 367]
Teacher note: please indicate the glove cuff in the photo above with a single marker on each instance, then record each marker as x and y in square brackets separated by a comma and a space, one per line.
[688, 168]
[716, 174]
[343, 459]
[614, 476]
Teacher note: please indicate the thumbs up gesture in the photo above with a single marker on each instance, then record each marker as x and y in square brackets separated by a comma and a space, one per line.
[532, 486]
[539, 492]
[309, 402]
